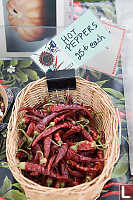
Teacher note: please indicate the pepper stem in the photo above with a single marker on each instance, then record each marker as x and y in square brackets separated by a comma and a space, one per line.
[43, 159]
[87, 179]
[49, 182]
[29, 139]
[56, 143]
[29, 156]
[50, 125]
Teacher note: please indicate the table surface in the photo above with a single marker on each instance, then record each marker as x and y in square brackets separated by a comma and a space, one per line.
[26, 71]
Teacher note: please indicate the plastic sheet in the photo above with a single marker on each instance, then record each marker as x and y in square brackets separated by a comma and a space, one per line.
[125, 16]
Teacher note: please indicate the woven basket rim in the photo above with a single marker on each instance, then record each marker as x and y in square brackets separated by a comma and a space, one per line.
[30, 184]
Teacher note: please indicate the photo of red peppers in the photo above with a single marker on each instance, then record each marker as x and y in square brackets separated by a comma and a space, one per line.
[59, 145]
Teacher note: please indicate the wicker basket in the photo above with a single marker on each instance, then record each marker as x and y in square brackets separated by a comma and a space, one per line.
[88, 93]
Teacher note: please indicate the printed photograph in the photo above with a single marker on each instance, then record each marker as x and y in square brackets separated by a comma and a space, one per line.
[28, 25]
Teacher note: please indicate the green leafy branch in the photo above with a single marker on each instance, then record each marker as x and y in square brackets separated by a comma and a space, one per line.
[12, 191]
[121, 168]
[17, 71]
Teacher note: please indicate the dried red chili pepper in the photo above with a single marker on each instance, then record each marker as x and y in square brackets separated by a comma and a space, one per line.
[61, 107]
[72, 155]
[99, 153]
[99, 166]
[73, 130]
[25, 119]
[30, 128]
[62, 117]
[75, 173]
[91, 154]
[61, 153]
[28, 166]
[70, 143]
[87, 135]
[57, 176]
[50, 163]
[81, 168]
[39, 158]
[32, 111]
[84, 146]
[36, 158]
[54, 148]
[94, 133]
[47, 144]
[36, 148]
[34, 174]
[41, 126]
[57, 137]
[64, 170]
[21, 155]
[49, 131]
[32, 118]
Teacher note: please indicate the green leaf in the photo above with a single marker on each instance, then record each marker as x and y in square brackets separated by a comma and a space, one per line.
[1, 62]
[104, 191]
[32, 74]
[7, 185]
[23, 77]
[15, 195]
[24, 64]
[121, 167]
[122, 99]
[101, 83]
[18, 186]
[13, 62]
[115, 93]
[116, 101]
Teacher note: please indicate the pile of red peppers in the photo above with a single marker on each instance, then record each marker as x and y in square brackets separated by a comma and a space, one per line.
[59, 145]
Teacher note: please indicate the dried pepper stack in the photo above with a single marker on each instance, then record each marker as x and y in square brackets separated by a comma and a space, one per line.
[59, 145]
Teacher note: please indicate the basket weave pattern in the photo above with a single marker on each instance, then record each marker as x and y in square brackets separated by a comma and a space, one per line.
[108, 121]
